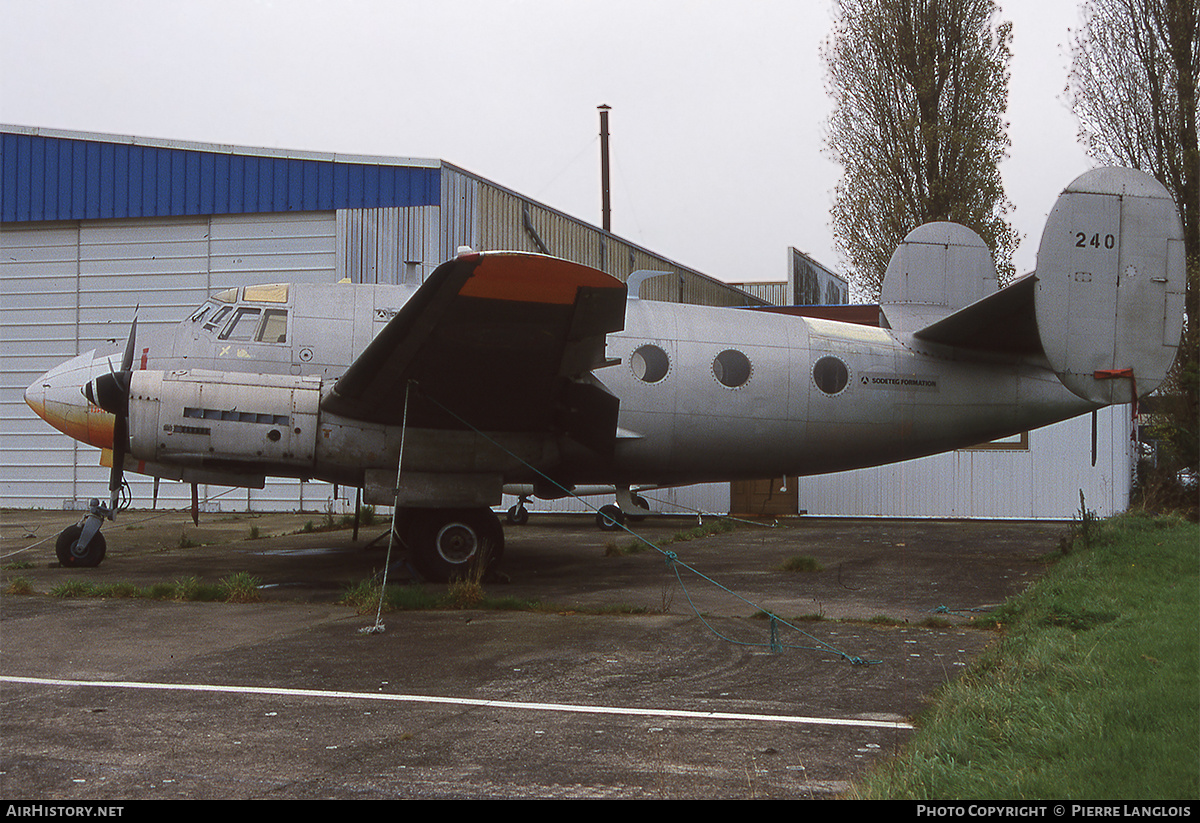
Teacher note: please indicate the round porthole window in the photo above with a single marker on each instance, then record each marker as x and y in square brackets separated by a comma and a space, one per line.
[731, 368]
[649, 363]
[830, 374]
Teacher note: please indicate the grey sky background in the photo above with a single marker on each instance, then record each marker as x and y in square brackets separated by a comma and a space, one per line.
[718, 108]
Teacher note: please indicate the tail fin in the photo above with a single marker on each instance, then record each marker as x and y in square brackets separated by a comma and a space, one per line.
[936, 270]
[1109, 295]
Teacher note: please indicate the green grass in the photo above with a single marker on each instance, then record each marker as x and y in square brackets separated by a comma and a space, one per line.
[1091, 692]
[364, 598]
[717, 526]
[237, 588]
[802, 563]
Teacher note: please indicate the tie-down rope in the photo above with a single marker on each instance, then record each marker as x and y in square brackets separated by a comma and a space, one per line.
[671, 558]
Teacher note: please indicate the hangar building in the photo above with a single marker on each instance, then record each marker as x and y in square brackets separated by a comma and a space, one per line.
[94, 227]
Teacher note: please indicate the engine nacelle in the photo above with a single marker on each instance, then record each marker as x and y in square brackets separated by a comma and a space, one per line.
[209, 419]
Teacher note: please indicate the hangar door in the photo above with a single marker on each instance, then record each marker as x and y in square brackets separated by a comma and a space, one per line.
[69, 287]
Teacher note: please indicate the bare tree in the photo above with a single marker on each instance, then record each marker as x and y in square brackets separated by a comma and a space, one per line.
[1133, 90]
[920, 90]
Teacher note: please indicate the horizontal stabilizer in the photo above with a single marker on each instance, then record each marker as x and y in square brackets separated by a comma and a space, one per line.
[936, 270]
[1002, 323]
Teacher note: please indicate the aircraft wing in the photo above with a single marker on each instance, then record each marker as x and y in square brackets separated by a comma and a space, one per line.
[496, 341]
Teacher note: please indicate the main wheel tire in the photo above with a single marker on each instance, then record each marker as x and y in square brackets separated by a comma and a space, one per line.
[517, 515]
[90, 557]
[610, 518]
[454, 544]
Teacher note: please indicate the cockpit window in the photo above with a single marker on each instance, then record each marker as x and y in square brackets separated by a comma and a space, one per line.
[243, 324]
[199, 313]
[217, 317]
[268, 293]
[274, 327]
[252, 323]
[227, 296]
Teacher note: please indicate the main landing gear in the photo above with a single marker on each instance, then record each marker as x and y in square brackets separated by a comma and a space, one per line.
[451, 544]
[610, 518]
[518, 515]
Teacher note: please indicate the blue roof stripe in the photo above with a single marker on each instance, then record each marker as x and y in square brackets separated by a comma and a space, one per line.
[59, 178]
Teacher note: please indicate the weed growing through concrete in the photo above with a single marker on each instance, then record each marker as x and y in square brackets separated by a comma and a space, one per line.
[237, 588]
[802, 563]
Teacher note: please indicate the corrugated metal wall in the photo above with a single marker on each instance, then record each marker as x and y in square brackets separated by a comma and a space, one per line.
[504, 220]
[59, 176]
[777, 294]
[1041, 481]
[389, 246]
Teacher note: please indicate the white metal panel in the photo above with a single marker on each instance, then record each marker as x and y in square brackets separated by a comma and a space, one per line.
[298, 247]
[38, 318]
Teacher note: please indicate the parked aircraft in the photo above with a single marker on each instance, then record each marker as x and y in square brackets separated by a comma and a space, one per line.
[513, 368]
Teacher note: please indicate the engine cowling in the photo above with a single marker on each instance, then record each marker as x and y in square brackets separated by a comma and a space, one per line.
[210, 419]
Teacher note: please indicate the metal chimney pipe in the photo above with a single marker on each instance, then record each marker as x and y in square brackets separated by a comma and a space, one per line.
[605, 196]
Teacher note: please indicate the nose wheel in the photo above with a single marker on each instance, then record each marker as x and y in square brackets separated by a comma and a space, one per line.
[82, 545]
[72, 555]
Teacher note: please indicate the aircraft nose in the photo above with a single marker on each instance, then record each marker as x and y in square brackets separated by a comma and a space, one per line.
[58, 398]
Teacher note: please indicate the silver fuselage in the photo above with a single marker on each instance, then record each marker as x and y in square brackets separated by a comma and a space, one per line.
[208, 407]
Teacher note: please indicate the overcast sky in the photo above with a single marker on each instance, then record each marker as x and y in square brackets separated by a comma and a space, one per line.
[718, 108]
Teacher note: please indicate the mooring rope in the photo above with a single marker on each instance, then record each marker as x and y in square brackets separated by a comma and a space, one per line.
[379, 627]
[671, 558]
[127, 524]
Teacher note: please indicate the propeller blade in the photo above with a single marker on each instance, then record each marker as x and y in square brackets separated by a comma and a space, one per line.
[112, 395]
[130, 345]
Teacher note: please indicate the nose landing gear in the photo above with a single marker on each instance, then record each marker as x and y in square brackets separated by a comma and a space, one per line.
[82, 545]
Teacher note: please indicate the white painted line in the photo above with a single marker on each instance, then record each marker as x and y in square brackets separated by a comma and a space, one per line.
[461, 701]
